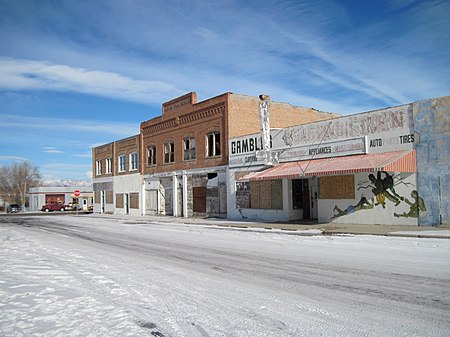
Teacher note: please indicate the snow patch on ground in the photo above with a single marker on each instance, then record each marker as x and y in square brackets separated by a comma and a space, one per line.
[83, 276]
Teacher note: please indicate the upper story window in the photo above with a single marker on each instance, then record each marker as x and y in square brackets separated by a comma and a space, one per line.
[98, 167]
[108, 165]
[122, 163]
[189, 148]
[169, 152]
[151, 155]
[134, 161]
[213, 144]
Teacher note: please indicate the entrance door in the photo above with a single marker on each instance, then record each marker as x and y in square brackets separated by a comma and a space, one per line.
[102, 201]
[314, 194]
[305, 200]
[126, 205]
[199, 202]
[151, 202]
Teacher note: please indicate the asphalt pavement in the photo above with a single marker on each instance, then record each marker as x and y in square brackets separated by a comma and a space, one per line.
[305, 228]
[297, 228]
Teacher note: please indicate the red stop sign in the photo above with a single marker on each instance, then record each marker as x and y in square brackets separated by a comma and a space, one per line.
[76, 193]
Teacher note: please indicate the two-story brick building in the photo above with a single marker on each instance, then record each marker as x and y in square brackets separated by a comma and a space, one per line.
[184, 155]
[117, 178]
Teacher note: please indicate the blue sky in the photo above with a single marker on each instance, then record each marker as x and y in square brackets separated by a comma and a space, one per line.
[77, 74]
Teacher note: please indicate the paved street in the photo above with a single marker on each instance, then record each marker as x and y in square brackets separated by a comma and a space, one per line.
[101, 276]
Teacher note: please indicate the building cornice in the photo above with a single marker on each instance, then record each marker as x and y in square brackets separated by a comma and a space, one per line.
[185, 119]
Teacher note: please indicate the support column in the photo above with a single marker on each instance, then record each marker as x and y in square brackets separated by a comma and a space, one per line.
[185, 196]
[175, 195]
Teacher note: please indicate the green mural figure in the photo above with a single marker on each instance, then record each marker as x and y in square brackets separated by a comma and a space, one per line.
[418, 205]
[384, 188]
[362, 204]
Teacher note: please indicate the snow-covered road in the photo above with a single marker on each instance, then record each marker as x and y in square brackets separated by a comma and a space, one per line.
[91, 276]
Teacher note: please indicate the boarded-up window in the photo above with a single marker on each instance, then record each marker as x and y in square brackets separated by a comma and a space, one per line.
[266, 194]
[254, 194]
[337, 187]
[199, 199]
[243, 194]
[277, 194]
[108, 197]
[97, 197]
[119, 200]
[134, 200]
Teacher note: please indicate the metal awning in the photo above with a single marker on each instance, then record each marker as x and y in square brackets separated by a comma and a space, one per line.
[400, 161]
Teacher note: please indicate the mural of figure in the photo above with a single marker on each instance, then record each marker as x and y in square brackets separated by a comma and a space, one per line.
[418, 205]
[384, 188]
[362, 204]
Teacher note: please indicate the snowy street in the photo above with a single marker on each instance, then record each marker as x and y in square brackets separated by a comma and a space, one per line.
[86, 275]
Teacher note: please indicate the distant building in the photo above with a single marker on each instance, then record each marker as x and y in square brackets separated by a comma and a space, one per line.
[39, 196]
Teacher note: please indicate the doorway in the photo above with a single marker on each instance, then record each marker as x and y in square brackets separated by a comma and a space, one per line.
[301, 197]
[126, 205]
[102, 201]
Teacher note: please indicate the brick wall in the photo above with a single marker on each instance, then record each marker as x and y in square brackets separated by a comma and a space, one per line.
[126, 147]
[101, 153]
[244, 115]
[183, 118]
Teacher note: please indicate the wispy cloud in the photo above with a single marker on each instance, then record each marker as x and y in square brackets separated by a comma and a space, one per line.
[12, 158]
[52, 150]
[118, 129]
[83, 155]
[19, 74]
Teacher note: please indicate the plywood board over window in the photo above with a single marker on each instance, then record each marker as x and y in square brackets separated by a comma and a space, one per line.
[337, 187]
[134, 200]
[266, 194]
[119, 200]
[109, 197]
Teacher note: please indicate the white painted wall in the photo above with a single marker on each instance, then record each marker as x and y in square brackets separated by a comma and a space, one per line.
[129, 183]
[404, 183]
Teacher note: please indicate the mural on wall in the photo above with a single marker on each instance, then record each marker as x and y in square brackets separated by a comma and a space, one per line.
[418, 205]
[362, 204]
[383, 187]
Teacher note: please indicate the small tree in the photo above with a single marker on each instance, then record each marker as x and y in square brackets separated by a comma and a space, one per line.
[15, 180]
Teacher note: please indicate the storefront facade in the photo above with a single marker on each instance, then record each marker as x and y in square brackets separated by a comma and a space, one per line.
[116, 177]
[185, 150]
[353, 169]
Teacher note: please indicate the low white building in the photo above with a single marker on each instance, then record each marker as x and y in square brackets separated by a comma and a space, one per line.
[39, 196]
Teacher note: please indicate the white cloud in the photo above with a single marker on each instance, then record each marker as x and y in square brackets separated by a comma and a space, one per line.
[83, 155]
[17, 74]
[12, 158]
[118, 129]
[52, 150]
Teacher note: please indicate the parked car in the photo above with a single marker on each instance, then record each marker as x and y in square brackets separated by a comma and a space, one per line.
[56, 207]
[14, 208]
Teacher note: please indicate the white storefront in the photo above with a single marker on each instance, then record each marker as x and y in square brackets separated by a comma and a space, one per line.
[353, 169]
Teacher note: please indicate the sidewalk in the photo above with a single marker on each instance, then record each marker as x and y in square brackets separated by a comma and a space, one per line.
[441, 232]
